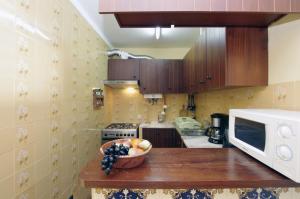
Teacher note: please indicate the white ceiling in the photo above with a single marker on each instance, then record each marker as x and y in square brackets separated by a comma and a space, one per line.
[116, 37]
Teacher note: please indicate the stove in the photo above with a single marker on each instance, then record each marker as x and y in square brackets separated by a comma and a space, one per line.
[120, 131]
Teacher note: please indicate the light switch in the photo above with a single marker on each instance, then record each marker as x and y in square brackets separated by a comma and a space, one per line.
[98, 98]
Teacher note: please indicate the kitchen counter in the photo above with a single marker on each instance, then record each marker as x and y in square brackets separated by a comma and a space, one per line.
[166, 125]
[186, 169]
[199, 142]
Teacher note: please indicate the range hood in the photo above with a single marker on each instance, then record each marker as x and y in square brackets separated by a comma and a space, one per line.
[121, 83]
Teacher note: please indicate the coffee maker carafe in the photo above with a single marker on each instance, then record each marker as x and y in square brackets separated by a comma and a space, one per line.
[219, 122]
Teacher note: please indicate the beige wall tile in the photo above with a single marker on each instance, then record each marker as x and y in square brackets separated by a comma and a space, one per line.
[7, 188]
[7, 140]
[284, 95]
[7, 166]
[297, 97]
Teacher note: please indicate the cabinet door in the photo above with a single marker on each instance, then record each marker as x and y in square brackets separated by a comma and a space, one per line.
[149, 76]
[123, 69]
[189, 71]
[247, 57]
[174, 83]
[162, 138]
[216, 59]
[200, 61]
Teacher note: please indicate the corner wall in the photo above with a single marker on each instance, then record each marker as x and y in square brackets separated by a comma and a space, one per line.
[50, 61]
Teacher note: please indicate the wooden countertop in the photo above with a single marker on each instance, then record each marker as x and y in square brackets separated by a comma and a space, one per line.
[188, 168]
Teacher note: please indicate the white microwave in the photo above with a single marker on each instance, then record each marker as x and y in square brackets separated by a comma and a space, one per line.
[271, 136]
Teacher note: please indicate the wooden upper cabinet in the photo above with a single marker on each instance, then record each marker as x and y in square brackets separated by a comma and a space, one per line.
[215, 57]
[227, 57]
[123, 69]
[123, 6]
[189, 77]
[161, 76]
[149, 76]
[175, 79]
[200, 61]
[198, 13]
[247, 57]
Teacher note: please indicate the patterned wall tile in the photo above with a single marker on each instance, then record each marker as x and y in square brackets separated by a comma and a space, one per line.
[237, 193]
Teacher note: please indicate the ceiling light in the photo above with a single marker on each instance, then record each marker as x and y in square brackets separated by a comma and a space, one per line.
[157, 32]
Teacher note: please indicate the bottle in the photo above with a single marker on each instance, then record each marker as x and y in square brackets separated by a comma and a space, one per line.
[161, 117]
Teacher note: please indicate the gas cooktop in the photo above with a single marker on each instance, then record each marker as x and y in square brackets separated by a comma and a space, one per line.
[123, 126]
[120, 130]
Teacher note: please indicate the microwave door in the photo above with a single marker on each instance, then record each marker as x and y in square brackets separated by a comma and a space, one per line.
[251, 133]
[251, 137]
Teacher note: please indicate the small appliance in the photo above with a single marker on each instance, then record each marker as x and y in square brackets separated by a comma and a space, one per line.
[119, 131]
[271, 136]
[216, 133]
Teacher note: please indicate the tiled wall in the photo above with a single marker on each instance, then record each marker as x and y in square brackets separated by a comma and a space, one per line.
[281, 96]
[133, 107]
[237, 193]
[50, 60]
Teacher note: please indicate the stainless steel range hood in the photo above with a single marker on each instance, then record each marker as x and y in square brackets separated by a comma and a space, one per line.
[121, 83]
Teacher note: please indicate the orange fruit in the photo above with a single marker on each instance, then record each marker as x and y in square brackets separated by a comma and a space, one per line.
[135, 142]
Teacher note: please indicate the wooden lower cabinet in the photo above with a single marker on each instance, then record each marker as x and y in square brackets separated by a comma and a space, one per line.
[163, 137]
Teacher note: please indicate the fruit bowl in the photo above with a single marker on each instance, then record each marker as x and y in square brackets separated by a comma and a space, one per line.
[127, 161]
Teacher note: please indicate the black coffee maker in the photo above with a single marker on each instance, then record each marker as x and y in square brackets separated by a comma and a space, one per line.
[216, 133]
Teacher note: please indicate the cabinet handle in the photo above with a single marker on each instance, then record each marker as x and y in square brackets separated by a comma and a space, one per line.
[202, 82]
[209, 77]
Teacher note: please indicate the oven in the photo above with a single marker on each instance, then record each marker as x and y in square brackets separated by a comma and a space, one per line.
[119, 131]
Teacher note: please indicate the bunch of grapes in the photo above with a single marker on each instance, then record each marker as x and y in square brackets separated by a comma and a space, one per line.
[111, 156]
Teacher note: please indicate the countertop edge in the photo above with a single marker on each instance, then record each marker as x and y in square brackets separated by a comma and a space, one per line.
[91, 176]
[189, 185]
